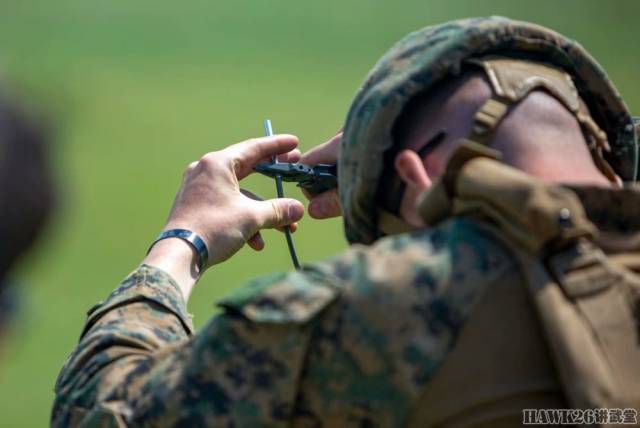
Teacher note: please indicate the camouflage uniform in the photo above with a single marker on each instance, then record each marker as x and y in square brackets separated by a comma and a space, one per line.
[365, 338]
[310, 346]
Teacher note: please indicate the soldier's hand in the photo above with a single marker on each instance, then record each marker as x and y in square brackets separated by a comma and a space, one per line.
[326, 204]
[211, 203]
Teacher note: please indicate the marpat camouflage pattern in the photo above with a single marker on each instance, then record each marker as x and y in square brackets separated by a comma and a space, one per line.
[351, 341]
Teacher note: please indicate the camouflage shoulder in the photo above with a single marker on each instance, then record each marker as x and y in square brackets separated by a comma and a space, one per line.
[293, 297]
[146, 283]
[298, 296]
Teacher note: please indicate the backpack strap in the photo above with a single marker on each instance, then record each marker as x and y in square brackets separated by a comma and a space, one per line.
[587, 315]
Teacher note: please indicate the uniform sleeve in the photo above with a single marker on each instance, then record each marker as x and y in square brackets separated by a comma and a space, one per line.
[348, 342]
[138, 363]
[144, 314]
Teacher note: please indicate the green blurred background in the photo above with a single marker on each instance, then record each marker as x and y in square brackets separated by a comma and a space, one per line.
[137, 89]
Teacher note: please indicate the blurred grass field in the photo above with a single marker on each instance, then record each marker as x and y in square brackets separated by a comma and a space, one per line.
[137, 89]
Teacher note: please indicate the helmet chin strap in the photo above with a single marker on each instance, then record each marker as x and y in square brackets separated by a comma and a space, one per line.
[511, 81]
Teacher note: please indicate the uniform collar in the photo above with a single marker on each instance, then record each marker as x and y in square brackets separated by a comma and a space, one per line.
[532, 213]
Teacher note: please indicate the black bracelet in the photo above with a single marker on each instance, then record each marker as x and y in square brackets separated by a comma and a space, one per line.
[192, 239]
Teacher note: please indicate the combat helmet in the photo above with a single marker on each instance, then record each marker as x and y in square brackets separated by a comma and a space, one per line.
[425, 57]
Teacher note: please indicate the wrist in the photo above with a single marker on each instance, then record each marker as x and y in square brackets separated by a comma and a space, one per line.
[192, 238]
[179, 259]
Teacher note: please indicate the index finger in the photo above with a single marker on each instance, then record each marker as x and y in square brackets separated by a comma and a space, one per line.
[324, 153]
[248, 153]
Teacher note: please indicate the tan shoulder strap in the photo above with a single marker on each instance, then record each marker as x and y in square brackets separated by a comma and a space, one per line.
[587, 316]
[530, 212]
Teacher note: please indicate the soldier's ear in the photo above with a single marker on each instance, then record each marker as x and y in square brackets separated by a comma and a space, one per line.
[411, 170]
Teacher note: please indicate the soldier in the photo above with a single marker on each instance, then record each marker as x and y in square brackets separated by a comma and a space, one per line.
[26, 194]
[444, 321]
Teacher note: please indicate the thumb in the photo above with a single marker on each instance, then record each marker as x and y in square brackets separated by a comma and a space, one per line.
[325, 205]
[279, 212]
